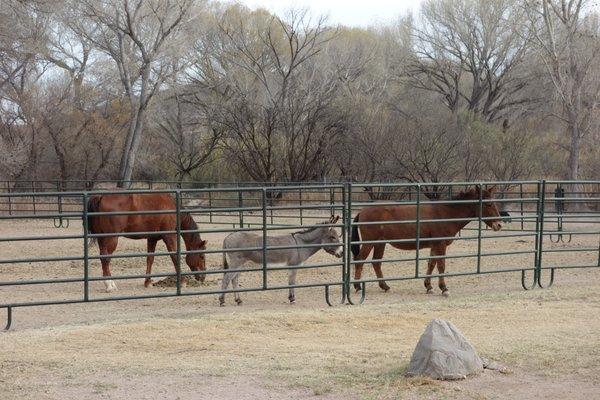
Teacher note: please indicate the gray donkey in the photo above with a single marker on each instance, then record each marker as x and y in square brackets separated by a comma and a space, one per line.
[322, 237]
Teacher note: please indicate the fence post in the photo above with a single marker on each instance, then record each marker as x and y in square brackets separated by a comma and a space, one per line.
[521, 202]
[33, 197]
[300, 198]
[86, 269]
[264, 232]
[480, 213]
[240, 205]
[418, 239]
[9, 198]
[178, 248]
[541, 239]
[210, 206]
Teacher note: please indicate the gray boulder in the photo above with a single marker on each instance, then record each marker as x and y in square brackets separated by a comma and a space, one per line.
[444, 353]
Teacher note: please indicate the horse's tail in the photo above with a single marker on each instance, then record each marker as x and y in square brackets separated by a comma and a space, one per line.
[93, 205]
[225, 265]
[355, 238]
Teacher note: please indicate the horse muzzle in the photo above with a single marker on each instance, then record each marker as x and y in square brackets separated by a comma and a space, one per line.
[496, 226]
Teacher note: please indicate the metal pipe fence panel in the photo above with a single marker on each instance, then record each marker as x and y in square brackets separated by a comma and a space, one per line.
[547, 226]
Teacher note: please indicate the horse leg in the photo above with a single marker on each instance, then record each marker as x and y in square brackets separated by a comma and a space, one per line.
[291, 282]
[441, 266]
[430, 265]
[378, 255]
[107, 246]
[362, 255]
[150, 260]
[171, 243]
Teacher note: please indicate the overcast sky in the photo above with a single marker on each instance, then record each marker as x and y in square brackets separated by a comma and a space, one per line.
[347, 12]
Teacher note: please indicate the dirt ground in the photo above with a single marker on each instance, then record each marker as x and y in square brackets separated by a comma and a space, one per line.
[190, 348]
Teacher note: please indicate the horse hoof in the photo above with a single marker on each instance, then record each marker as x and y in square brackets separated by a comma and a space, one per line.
[384, 287]
[430, 291]
[357, 287]
[292, 302]
[148, 283]
[239, 302]
[445, 293]
[110, 286]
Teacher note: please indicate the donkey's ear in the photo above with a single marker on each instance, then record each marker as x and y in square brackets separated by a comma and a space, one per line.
[335, 219]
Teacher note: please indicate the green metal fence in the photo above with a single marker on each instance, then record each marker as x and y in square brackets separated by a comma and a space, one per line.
[554, 225]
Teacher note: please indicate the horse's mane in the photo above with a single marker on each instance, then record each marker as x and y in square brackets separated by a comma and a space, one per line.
[188, 224]
[470, 194]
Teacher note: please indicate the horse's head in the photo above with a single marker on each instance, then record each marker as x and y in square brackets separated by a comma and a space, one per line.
[331, 237]
[492, 216]
[197, 261]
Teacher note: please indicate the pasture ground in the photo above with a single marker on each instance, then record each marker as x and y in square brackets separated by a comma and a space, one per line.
[189, 348]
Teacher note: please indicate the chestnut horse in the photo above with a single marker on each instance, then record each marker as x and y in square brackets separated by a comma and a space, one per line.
[427, 230]
[143, 223]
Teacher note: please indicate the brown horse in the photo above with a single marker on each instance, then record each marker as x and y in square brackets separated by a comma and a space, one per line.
[143, 223]
[429, 230]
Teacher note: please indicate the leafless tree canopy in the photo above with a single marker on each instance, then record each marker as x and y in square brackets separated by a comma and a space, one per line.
[199, 90]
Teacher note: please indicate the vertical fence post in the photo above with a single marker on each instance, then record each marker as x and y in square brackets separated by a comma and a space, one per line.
[480, 214]
[346, 218]
[300, 199]
[331, 202]
[86, 269]
[210, 206]
[240, 205]
[540, 249]
[9, 198]
[418, 239]
[264, 233]
[178, 227]
[33, 197]
[521, 202]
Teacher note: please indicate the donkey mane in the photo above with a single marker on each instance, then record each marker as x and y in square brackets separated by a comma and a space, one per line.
[308, 230]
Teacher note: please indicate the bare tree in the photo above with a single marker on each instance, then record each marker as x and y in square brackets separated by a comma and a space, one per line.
[190, 137]
[568, 43]
[470, 51]
[268, 94]
[141, 37]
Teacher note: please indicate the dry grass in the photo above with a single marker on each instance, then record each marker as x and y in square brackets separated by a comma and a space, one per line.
[352, 352]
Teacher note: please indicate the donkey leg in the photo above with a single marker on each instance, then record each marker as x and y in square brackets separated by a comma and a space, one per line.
[430, 265]
[365, 250]
[441, 267]
[235, 284]
[291, 282]
[378, 255]
[150, 261]
[171, 243]
[227, 277]
[107, 246]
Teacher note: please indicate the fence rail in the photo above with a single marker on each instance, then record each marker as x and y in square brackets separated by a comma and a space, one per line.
[542, 213]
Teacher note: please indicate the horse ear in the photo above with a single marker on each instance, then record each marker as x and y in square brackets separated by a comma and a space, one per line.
[492, 189]
[203, 243]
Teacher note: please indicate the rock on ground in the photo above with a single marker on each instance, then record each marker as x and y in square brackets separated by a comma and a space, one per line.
[444, 353]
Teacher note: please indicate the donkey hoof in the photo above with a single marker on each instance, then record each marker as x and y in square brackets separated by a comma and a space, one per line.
[429, 290]
[445, 293]
[292, 301]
